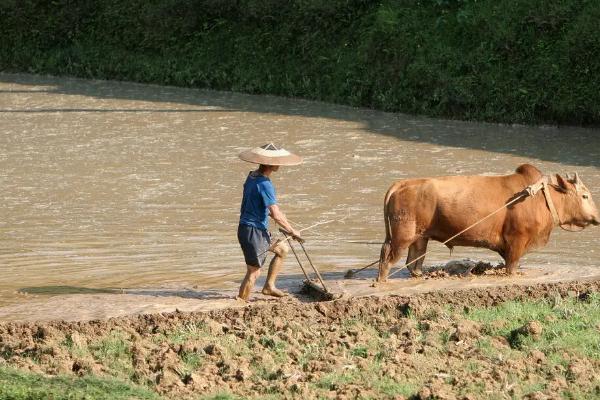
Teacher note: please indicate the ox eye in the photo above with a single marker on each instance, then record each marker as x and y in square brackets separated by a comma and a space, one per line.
[585, 196]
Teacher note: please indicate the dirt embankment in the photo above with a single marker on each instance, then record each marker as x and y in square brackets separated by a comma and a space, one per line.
[308, 350]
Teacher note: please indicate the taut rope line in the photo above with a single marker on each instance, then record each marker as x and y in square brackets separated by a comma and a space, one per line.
[287, 238]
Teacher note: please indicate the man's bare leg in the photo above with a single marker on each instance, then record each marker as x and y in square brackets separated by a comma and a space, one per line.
[280, 249]
[248, 283]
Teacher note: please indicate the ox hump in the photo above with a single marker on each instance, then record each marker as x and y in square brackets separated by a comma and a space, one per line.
[529, 171]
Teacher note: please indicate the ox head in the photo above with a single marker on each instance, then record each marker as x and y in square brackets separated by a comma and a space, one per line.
[578, 208]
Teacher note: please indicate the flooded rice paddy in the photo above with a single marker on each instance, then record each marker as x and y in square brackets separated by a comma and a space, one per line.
[108, 185]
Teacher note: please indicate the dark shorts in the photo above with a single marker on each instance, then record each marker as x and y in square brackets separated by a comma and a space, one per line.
[255, 243]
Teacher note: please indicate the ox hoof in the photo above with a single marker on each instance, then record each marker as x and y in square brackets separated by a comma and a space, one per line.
[511, 271]
[415, 273]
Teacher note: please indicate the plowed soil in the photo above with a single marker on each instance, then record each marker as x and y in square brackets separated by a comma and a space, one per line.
[291, 348]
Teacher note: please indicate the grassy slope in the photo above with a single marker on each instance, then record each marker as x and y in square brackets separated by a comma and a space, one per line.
[19, 385]
[503, 60]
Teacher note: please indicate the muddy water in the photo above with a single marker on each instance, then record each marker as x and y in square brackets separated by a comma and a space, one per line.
[109, 185]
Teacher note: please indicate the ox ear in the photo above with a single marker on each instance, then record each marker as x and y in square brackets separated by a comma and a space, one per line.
[568, 176]
[562, 185]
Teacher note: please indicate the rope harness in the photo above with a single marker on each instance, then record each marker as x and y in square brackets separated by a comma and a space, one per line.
[550, 203]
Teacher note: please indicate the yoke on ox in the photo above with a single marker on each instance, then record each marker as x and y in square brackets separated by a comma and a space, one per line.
[417, 210]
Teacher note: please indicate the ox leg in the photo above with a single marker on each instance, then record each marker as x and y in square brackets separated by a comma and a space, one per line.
[390, 254]
[513, 255]
[416, 250]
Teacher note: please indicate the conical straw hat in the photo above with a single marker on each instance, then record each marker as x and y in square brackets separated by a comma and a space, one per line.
[269, 154]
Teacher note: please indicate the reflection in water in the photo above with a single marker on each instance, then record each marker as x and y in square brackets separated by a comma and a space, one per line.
[116, 185]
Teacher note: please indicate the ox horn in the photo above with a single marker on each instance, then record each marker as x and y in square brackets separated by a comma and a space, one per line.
[576, 179]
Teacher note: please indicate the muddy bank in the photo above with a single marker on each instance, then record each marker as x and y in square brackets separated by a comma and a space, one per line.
[84, 304]
[301, 349]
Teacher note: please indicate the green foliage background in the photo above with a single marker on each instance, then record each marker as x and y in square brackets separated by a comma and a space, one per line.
[526, 61]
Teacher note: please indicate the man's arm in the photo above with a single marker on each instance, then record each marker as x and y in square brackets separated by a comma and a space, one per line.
[280, 218]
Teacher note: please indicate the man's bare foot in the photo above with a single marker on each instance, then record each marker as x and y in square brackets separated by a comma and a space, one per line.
[273, 292]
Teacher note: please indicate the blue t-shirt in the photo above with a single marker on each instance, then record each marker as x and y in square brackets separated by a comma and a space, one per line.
[259, 194]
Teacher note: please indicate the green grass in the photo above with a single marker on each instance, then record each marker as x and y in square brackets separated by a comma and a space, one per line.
[310, 352]
[276, 346]
[221, 396]
[187, 332]
[391, 387]
[371, 377]
[567, 324]
[18, 385]
[114, 352]
[360, 351]
[192, 360]
[334, 380]
[75, 349]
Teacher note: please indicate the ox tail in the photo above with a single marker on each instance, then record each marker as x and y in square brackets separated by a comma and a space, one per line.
[385, 255]
[386, 248]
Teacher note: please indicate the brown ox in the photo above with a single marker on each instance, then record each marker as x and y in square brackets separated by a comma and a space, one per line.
[416, 210]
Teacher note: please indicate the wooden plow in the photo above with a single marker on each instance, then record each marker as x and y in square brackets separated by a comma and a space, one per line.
[314, 287]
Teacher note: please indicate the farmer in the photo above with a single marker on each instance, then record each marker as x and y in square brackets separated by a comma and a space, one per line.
[258, 203]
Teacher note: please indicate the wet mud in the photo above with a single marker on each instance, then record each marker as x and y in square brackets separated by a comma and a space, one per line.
[291, 348]
[83, 304]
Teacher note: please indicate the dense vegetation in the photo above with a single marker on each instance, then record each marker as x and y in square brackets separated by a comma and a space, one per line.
[498, 60]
